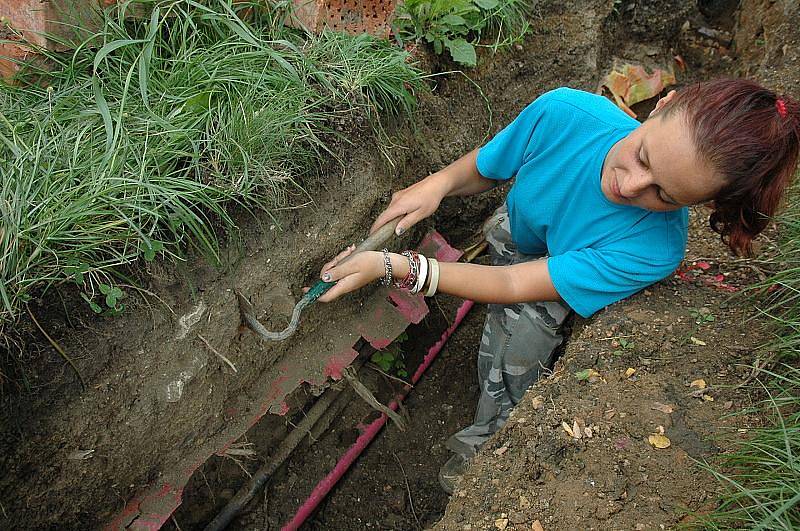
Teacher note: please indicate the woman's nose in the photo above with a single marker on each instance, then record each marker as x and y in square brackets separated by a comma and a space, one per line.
[637, 181]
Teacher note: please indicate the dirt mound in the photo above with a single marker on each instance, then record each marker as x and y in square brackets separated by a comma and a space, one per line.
[611, 439]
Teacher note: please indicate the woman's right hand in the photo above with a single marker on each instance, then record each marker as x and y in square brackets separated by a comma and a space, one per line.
[412, 204]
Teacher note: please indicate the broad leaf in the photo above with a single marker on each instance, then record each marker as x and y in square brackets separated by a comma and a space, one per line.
[462, 52]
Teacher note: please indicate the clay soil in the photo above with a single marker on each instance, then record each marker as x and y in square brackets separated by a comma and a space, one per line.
[533, 470]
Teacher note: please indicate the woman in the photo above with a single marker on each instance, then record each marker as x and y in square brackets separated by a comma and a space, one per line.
[597, 212]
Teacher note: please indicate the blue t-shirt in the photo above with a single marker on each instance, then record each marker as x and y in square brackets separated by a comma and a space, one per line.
[600, 252]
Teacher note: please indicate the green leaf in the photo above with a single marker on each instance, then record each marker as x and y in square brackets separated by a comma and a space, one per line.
[462, 52]
[199, 102]
[584, 374]
[437, 47]
[76, 271]
[146, 56]
[151, 248]
[93, 305]
[102, 107]
[111, 46]
[105, 289]
[486, 4]
[111, 300]
[452, 20]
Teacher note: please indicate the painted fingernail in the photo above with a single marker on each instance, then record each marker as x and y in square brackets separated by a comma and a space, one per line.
[400, 230]
[326, 277]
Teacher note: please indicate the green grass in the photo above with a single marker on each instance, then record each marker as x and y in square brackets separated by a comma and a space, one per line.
[142, 141]
[761, 478]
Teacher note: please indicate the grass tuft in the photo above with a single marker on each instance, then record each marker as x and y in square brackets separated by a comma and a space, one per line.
[761, 478]
[140, 141]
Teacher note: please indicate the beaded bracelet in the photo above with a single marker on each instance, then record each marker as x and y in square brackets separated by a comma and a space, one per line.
[387, 265]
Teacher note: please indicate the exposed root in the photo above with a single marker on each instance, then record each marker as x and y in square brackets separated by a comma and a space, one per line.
[58, 348]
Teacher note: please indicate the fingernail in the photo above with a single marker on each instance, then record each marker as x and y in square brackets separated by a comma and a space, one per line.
[399, 231]
[326, 277]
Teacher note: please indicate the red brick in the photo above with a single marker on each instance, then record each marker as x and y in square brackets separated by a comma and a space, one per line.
[352, 16]
[35, 18]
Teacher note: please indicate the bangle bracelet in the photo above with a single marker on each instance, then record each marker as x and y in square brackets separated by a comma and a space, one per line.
[433, 266]
[387, 266]
[423, 274]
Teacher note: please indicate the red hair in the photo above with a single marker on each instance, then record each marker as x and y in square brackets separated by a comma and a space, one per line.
[751, 137]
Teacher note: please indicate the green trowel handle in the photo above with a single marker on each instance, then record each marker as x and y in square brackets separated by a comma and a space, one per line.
[375, 241]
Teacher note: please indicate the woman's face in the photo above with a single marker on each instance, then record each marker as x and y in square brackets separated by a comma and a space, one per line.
[657, 168]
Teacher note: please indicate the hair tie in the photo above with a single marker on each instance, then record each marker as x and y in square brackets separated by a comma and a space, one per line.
[781, 106]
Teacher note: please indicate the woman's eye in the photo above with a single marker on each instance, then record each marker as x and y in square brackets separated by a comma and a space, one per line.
[639, 158]
[662, 198]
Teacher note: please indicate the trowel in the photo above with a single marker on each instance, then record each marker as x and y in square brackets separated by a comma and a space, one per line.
[374, 241]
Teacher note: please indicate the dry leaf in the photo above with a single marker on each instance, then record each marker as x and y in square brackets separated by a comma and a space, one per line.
[708, 398]
[699, 383]
[576, 429]
[537, 526]
[567, 429]
[630, 372]
[632, 84]
[80, 455]
[699, 342]
[501, 523]
[524, 503]
[659, 441]
[664, 408]
[728, 404]
[537, 402]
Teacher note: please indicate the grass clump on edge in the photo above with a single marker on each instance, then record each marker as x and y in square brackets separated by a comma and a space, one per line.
[141, 140]
[458, 25]
[762, 476]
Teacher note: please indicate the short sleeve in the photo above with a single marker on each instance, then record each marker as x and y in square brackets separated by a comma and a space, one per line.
[590, 279]
[503, 156]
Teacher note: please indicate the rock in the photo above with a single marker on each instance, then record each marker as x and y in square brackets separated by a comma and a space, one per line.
[501, 523]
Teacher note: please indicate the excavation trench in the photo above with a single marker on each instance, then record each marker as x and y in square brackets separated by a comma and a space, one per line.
[166, 432]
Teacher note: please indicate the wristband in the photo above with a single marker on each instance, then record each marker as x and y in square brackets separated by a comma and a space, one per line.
[433, 266]
[423, 273]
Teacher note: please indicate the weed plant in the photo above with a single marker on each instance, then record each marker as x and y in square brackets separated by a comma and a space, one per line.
[142, 140]
[762, 477]
[459, 25]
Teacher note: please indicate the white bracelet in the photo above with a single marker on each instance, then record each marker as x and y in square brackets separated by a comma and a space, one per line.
[421, 275]
[434, 272]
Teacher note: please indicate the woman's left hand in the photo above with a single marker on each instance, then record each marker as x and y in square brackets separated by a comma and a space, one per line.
[355, 272]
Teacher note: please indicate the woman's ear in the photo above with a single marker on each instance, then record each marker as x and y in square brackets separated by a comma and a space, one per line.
[661, 102]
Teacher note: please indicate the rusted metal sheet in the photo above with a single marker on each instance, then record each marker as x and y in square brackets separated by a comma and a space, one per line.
[386, 314]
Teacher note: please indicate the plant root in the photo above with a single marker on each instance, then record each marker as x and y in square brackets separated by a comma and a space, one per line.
[58, 348]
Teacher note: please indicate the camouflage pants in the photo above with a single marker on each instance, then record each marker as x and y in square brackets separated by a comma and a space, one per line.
[517, 345]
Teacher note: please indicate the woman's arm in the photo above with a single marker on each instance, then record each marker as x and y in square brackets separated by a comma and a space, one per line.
[421, 199]
[526, 282]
